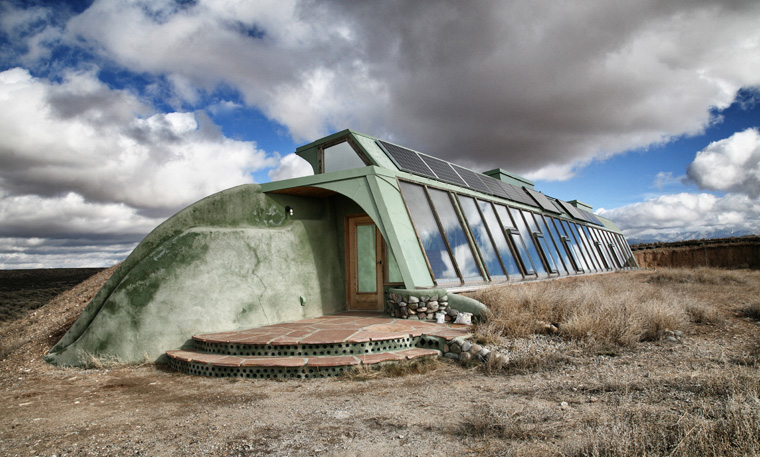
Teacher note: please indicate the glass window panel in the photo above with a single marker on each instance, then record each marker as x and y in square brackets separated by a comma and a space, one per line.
[342, 157]
[480, 234]
[601, 249]
[544, 246]
[570, 246]
[578, 243]
[554, 248]
[596, 256]
[394, 273]
[586, 248]
[366, 258]
[509, 226]
[526, 235]
[500, 238]
[562, 247]
[611, 248]
[627, 254]
[430, 235]
[452, 228]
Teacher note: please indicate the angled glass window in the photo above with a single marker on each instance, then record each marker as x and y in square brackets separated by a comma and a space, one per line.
[601, 249]
[499, 239]
[541, 242]
[341, 157]
[625, 249]
[571, 246]
[617, 256]
[588, 247]
[482, 236]
[562, 246]
[436, 251]
[517, 218]
[554, 250]
[455, 234]
[509, 227]
[572, 232]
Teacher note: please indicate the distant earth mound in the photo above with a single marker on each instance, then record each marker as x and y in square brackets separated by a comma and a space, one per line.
[740, 252]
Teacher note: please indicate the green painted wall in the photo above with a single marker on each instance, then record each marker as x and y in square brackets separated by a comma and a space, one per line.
[232, 260]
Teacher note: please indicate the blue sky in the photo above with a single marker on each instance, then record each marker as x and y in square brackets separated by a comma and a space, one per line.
[117, 114]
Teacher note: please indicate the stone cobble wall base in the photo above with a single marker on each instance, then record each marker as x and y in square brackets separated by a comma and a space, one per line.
[464, 351]
[419, 307]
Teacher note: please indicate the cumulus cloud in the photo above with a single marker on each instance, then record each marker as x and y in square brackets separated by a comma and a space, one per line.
[81, 161]
[291, 166]
[538, 88]
[105, 145]
[729, 165]
[687, 216]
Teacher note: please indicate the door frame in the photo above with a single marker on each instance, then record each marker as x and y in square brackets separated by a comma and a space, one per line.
[355, 300]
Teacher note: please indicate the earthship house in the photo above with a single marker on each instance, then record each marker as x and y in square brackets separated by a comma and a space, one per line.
[378, 227]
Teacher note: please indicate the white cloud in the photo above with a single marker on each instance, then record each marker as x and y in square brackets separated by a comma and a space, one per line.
[729, 165]
[687, 216]
[666, 179]
[81, 161]
[291, 166]
[80, 136]
[541, 89]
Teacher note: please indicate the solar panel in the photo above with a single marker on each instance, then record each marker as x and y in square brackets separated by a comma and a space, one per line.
[472, 179]
[443, 170]
[589, 216]
[541, 199]
[406, 159]
[495, 186]
[571, 210]
[518, 195]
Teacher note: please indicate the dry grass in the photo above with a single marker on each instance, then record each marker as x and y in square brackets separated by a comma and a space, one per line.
[700, 275]
[550, 330]
[722, 419]
[618, 309]
[751, 310]
[391, 370]
[727, 427]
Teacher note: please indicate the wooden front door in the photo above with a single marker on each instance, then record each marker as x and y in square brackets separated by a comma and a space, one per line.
[364, 264]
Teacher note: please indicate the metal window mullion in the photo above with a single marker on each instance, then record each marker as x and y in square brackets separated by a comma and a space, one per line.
[553, 233]
[443, 234]
[414, 227]
[510, 242]
[538, 219]
[514, 229]
[471, 236]
[468, 234]
[491, 238]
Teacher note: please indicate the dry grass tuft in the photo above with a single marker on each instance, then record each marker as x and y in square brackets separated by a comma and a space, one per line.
[751, 310]
[729, 428]
[392, 370]
[700, 275]
[617, 310]
[498, 421]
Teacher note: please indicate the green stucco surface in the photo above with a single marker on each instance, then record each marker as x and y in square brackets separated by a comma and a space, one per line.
[232, 260]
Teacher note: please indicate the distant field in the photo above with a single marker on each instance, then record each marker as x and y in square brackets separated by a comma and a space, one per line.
[22, 291]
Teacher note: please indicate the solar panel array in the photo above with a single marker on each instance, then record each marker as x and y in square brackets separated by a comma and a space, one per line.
[408, 160]
[542, 201]
[571, 210]
[432, 167]
[590, 217]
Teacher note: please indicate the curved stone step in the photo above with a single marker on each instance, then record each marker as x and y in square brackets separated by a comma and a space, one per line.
[219, 365]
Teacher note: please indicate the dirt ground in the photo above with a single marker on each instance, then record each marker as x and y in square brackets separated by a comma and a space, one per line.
[449, 410]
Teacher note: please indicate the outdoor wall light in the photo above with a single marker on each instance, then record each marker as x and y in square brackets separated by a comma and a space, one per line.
[289, 210]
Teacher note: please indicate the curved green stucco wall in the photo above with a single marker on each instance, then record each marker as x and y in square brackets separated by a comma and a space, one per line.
[232, 260]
